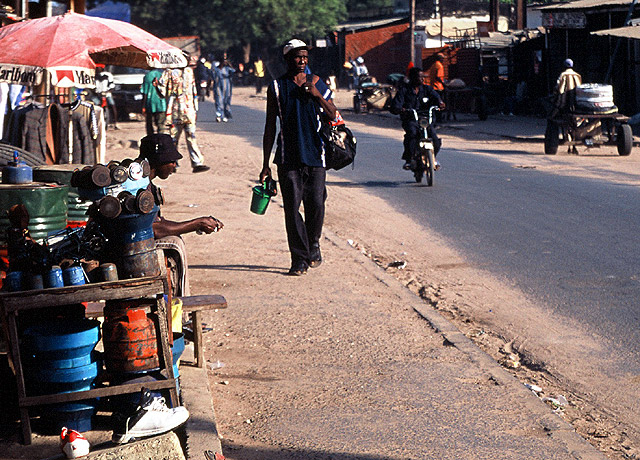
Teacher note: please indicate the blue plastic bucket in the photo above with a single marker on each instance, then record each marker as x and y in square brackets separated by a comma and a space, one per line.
[177, 349]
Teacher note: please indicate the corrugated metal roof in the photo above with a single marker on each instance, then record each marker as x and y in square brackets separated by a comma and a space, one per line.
[359, 25]
[625, 32]
[588, 4]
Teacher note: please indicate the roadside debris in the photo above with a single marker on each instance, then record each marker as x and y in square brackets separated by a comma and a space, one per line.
[216, 365]
[535, 388]
[399, 264]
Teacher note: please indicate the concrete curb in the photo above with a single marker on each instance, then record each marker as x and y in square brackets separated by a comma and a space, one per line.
[201, 428]
[553, 425]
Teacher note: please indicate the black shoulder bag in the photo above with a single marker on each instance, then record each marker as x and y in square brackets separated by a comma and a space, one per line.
[339, 142]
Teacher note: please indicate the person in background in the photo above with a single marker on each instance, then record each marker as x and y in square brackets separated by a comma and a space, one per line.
[297, 99]
[154, 105]
[436, 79]
[258, 73]
[565, 87]
[179, 87]
[202, 78]
[225, 88]
[104, 85]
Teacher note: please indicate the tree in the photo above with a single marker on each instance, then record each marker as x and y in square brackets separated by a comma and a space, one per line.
[222, 24]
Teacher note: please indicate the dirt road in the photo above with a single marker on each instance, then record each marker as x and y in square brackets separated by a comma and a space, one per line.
[349, 357]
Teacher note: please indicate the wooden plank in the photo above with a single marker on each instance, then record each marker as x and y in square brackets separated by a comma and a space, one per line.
[202, 302]
[136, 288]
[198, 343]
[31, 401]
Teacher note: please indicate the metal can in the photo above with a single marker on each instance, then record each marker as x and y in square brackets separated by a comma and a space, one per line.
[73, 276]
[109, 272]
[14, 281]
[53, 278]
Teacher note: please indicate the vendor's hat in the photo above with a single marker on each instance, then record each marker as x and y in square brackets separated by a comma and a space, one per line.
[159, 149]
[568, 63]
[293, 44]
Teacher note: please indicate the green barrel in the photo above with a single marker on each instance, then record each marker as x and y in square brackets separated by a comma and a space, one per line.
[61, 174]
[46, 203]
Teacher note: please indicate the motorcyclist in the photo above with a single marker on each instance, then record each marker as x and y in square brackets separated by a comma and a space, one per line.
[415, 95]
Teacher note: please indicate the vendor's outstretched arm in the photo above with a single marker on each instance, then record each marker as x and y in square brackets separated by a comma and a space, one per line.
[164, 227]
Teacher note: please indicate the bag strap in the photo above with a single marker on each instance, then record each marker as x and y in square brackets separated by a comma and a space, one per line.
[276, 90]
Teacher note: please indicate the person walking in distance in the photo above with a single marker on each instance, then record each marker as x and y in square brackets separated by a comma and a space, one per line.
[179, 87]
[258, 74]
[225, 85]
[154, 104]
[299, 100]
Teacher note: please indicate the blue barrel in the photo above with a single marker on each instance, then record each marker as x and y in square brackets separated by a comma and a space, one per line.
[62, 339]
[75, 416]
[132, 243]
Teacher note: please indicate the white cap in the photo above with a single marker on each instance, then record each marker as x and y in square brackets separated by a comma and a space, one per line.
[292, 45]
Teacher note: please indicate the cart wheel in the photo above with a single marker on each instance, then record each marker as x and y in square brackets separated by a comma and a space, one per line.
[551, 138]
[482, 107]
[356, 104]
[624, 140]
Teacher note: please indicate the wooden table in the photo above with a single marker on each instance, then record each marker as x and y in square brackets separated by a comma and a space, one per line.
[11, 304]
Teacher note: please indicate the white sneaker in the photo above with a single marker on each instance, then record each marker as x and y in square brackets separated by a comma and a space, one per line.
[73, 444]
[225, 119]
[153, 418]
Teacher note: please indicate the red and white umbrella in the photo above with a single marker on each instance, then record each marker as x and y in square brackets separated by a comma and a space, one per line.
[69, 46]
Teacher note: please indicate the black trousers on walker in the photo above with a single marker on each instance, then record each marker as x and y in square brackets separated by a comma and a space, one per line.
[306, 185]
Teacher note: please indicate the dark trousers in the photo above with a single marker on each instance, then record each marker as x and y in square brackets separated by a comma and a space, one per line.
[155, 122]
[306, 185]
[412, 133]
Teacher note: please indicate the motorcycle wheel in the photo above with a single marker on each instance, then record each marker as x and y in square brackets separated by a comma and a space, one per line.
[430, 164]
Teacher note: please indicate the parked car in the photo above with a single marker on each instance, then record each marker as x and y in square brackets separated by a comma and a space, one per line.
[126, 93]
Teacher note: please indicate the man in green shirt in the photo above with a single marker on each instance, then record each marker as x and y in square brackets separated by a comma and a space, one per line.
[154, 104]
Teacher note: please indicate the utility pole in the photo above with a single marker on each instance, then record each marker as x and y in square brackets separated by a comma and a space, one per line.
[412, 31]
[494, 13]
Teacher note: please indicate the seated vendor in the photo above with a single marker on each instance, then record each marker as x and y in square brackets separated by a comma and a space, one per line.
[162, 155]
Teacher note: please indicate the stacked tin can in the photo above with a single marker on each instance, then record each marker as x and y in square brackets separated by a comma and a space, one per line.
[125, 209]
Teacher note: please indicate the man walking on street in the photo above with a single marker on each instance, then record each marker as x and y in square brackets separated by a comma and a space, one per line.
[179, 87]
[153, 103]
[299, 100]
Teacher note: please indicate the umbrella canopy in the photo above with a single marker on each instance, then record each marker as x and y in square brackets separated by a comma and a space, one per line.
[70, 45]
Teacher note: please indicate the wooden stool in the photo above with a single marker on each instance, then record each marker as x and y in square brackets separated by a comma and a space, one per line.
[195, 305]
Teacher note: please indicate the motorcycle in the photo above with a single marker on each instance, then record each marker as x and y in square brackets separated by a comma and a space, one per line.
[423, 162]
[371, 95]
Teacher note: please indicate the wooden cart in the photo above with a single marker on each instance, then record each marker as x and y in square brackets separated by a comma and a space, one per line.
[11, 304]
[590, 130]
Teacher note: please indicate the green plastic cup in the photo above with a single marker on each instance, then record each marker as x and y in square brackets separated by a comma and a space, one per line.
[260, 199]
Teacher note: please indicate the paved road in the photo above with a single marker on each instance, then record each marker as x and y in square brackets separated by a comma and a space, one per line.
[569, 242]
